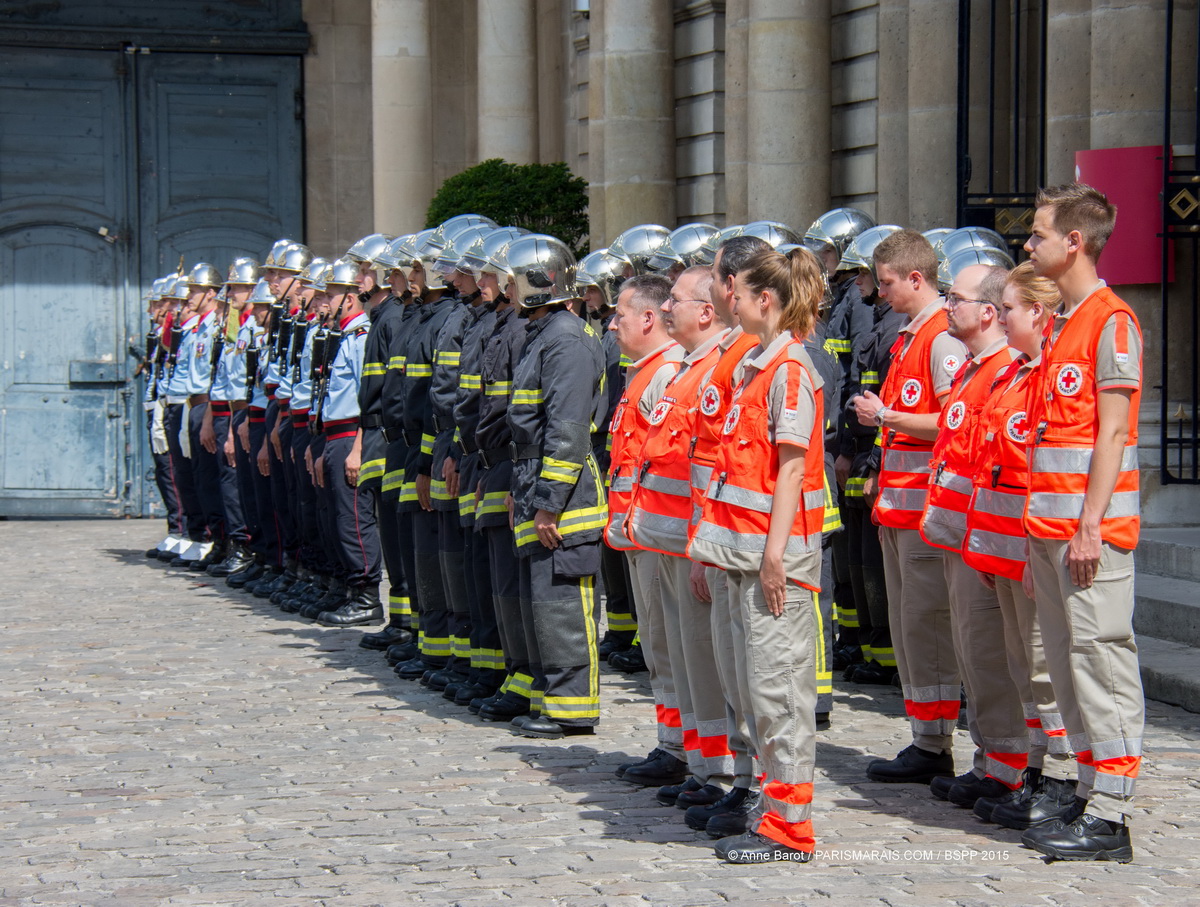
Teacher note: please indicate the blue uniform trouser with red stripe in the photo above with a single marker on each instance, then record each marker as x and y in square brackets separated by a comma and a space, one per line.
[356, 534]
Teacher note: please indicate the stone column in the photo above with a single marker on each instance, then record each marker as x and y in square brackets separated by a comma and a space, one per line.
[1069, 86]
[737, 72]
[891, 171]
[1127, 91]
[788, 111]
[639, 120]
[507, 55]
[595, 129]
[553, 37]
[933, 112]
[401, 114]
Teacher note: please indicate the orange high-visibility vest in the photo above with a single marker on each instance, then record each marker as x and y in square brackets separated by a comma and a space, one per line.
[661, 510]
[732, 532]
[996, 541]
[1065, 413]
[904, 471]
[628, 430]
[944, 523]
[715, 399]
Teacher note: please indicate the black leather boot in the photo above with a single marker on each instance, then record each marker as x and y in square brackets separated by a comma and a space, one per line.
[363, 607]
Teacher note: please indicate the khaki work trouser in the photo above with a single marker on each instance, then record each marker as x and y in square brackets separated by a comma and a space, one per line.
[652, 633]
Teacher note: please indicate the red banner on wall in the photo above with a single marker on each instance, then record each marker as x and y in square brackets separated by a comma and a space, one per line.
[1132, 179]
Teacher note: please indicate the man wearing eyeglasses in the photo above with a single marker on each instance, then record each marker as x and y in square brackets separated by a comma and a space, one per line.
[925, 359]
[994, 713]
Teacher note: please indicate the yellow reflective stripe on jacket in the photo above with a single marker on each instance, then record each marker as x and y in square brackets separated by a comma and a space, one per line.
[372, 469]
[447, 357]
[373, 368]
[470, 382]
[427, 444]
[396, 362]
[524, 396]
[418, 370]
[560, 470]
[497, 389]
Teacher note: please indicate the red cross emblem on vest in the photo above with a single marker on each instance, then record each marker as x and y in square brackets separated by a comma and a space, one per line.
[731, 420]
[1018, 427]
[660, 412]
[910, 393]
[710, 401]
[1070, 380]
[955, 415]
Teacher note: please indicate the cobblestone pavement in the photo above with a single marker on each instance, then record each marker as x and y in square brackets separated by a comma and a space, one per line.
[167, 740]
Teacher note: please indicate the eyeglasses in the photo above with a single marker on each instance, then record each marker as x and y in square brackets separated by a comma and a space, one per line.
[953, 301]
[675, 301]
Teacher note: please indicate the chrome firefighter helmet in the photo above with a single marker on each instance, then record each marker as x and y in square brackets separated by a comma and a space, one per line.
[937, 234]
[447, 259]
[176, 287]
[836, 229]
[294, 259]
[771, 232]
[276, 252]
[261, 294]
[369, 247]
[342, 274]
[390, 258]
[312, 271]
[204, 275]
[970, 238]
[707, 253]
[861, 251]
[543, 270]
[949, 267]
[445, 232]
[320, 274]
[682, 247]
[485, 252]
[638, 245]
[243, 272]
[604, 271]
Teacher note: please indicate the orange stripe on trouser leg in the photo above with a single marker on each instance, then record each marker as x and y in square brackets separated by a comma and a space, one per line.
[1018, 762]
[935, 711]
[1036, 724]
[1129, 766]
[714, 747]
[691, 740]
[797, 835]
[668, 717]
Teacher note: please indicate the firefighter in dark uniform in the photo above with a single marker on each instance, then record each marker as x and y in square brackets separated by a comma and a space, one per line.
[558, 508]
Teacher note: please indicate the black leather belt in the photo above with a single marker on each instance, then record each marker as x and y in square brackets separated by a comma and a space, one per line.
[524, 451]
[372, 421]
[493, 456]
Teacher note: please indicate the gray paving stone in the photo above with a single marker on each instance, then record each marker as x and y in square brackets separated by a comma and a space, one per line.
[166, 741]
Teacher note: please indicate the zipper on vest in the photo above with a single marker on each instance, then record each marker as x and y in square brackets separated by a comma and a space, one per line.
[937, 479]
[642, 474]
[721, 479]
[692, 446]
[1041, 432]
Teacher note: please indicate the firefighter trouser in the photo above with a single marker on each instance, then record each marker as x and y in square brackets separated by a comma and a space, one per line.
[244, 476]
[919, 614]
[289, 537]
[357, 534]
[688, 623]
[236, 527]
[431, 594]
[647, 596]
[1092, 657]
[842, 591]
[1048, 748]
[205, 481]
[309, 549]
[451, 557]
[164, 478]
[185, 483]
[825, 629]
[487, 652]
[326, 514]
[558, 600]
[777, 674]
[994, 715]
[729, 645]
[865, 557]
[290, 479]
[270, 546]
[399, 604]
[618, 601]
[505, 571]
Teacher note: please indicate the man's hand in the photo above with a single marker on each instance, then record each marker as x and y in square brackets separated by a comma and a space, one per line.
[1027, 582]
[866, 405]
[318, 470]
[870, 489]
[545, 524]
[208, 437]
[774, 584]
[987, 579]
[841, 470]
[511, 505]
[353, 464]
[698, 580]
[423, 496]
[264, 460]
[276, 443]
[243, 434]
[229, 450]
[1083, 555]
[450, 474]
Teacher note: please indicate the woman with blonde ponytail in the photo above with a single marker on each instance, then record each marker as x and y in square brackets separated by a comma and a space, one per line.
[761, 523]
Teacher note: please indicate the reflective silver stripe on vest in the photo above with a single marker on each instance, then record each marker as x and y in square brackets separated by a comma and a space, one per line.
[701, 476]
[614, 534]
[814, 500]
[1048, 505]
[753, 541]
[677, 487]
[912, 499]
[995, 544]
[621, 484]
[1077, 460]
[915, 461]
[739, 497]
[663, 533]
[999, 503]
[952, 481]
[944, 527]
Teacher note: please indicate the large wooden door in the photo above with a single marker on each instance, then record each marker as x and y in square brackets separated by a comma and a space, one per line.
[113, 164]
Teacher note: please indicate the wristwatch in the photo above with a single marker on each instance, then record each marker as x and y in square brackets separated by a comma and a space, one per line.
[879, 414]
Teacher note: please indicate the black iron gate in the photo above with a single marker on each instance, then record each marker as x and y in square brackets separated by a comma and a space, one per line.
[1001, 114]
[1180, 298]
